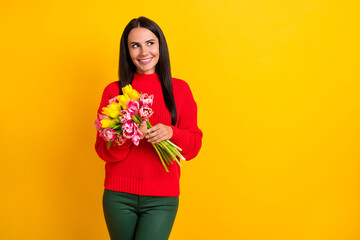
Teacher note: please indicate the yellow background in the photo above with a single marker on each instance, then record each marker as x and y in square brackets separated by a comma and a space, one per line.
[277, 87]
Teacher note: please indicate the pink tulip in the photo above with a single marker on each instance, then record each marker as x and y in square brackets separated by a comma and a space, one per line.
[108, 134]
[125, 116]
[129, 129]
[120, 140]
[97, 122]
[136, 138]
[114, 99]
[145, 112]
[133, 107]
[146, 100]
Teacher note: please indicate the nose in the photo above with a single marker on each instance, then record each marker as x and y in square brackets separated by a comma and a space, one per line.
[143, 51]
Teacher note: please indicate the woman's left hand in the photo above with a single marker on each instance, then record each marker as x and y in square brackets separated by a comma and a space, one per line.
[158, 133]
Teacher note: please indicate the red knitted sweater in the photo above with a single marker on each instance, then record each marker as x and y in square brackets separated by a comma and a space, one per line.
[138, 169]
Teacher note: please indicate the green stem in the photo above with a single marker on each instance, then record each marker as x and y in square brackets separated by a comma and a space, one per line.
[162, 161]
[174, 145]
[178, 154]
[167, 149]
[170, 152]
[165, 155]
[148, 124]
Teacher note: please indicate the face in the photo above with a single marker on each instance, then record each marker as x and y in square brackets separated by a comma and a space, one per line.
[144, 50]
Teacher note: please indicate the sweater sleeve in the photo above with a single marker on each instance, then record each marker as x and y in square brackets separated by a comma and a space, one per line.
[115, 153]
[187, 134]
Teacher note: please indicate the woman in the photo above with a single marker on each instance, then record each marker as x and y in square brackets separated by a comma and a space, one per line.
[140, 199]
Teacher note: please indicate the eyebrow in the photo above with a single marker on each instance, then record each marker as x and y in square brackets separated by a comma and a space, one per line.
[145, 41]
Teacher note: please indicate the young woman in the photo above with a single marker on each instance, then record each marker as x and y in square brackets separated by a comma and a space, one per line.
[140, 199]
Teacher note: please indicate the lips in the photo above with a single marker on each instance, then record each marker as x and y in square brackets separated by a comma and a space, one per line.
[145, 61]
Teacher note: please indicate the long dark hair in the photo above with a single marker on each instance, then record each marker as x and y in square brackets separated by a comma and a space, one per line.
[127, 67]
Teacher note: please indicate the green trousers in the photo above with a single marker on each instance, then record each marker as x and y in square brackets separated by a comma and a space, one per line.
[134, 217]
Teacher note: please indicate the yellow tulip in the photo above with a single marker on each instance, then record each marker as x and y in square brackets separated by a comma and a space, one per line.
[130, 92]
[123, 100]
[106, 122]
[128, 88]
[113, 110]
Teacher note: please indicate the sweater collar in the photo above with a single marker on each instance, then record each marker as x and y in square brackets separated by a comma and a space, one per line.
[146, 78]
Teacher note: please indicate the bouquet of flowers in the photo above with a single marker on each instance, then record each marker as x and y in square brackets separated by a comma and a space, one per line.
[121, 118]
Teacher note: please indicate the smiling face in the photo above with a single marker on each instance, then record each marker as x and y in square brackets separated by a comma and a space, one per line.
[143, 47]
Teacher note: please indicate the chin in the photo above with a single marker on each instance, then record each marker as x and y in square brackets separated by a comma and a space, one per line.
[145, 70]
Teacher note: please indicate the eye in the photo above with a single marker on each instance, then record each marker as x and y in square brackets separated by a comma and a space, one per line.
[135, 45]
[150, 43]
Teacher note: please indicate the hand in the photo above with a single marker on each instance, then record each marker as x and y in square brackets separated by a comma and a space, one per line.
[158, 133]
[143, 129]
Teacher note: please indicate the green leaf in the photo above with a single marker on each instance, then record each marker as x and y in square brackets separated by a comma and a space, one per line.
[117, 127]
[135, 119]
[109, 144]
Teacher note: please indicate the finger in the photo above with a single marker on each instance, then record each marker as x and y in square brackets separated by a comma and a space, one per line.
[143, 128]
[158, 134]
[159, 131]
[143, 133]
[155, 128]
[157, 138]
[154, 133]
[150, 135]
[143, 124]
[153, 137]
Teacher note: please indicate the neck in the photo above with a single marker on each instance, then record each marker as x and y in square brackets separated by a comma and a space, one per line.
[136, 73]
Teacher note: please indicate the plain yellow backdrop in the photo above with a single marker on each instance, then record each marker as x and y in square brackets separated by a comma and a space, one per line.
[277, 87]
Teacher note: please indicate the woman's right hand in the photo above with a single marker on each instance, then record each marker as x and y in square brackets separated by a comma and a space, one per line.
[143, 129]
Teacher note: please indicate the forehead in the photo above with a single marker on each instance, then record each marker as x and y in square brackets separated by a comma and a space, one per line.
[141, 35]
